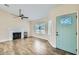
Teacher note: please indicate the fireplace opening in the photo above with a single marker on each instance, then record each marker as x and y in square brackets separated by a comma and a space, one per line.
[16, 35]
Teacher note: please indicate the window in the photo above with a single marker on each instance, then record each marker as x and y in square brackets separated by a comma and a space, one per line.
[40, 28]
[66, 20]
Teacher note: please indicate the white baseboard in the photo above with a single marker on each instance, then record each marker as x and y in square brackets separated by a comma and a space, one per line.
[40, 37]
[51, 44]
[3, 40]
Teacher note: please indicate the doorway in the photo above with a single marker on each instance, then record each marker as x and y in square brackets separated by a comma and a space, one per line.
[66, 32]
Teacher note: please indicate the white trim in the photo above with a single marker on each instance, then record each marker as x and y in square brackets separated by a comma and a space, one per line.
[3, 40]
[77, 32]
[52, 44]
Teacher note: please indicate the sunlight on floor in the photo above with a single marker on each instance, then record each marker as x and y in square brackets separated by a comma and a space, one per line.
[39, 47]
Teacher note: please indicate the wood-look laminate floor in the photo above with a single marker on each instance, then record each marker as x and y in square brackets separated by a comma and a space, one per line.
[29, 46]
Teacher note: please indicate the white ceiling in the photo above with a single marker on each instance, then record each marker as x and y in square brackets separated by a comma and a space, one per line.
[33, 11]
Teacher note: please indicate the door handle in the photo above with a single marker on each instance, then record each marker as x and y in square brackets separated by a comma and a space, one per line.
[76, 33]
[57, 34]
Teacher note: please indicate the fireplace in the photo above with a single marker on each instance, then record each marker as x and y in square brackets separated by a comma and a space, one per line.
[16, 35]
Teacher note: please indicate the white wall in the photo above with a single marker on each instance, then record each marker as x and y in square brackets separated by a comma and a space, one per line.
[9, 23]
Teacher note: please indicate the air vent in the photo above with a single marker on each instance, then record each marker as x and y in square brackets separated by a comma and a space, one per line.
[6, 5]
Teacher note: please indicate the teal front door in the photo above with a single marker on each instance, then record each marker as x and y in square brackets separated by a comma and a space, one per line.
[66, 32]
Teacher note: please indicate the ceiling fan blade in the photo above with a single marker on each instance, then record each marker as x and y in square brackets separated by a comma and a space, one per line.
[25, 17]
[20, 12]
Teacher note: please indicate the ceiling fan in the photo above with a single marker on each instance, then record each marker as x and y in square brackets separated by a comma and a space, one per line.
[21, 15]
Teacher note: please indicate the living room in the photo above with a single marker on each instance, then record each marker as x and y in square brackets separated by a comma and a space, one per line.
[27, 29]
